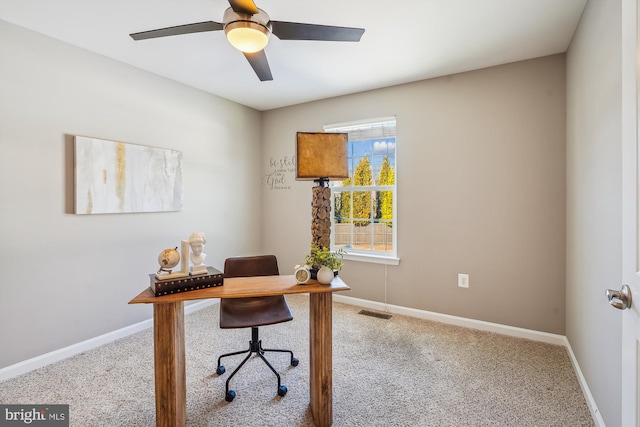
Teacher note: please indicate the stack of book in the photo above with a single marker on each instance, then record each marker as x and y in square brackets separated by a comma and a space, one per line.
[176, 285]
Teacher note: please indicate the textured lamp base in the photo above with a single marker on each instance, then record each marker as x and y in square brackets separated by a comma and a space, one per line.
[321, 216]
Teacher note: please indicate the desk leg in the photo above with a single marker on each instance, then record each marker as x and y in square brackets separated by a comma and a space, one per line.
[320, 358]
[169, 360]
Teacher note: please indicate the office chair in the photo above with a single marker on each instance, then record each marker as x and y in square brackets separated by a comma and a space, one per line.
[253, 312]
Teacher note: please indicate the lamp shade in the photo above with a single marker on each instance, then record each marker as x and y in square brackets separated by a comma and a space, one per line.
[321, 155]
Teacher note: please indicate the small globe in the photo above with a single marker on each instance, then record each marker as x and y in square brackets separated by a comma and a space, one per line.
[168, 259]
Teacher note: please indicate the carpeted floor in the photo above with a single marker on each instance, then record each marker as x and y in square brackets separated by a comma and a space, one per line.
[396, 372]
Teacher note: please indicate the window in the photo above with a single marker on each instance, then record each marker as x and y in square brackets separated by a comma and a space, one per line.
[364, 220]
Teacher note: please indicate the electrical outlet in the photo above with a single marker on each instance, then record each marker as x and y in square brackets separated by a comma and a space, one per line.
[463, 280]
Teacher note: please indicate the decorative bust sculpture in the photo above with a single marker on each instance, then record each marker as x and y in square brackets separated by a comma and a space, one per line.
[197, 240]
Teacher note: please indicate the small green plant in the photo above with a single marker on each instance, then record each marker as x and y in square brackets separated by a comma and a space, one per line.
[321, 256]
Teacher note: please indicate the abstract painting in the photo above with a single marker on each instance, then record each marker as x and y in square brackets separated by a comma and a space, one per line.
[116, 177]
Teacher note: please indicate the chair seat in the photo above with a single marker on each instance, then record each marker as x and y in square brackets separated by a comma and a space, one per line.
[249, 312]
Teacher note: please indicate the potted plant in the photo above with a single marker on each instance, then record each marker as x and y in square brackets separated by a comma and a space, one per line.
[323, 263]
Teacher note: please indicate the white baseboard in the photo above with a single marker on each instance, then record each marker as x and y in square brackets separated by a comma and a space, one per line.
[63, 353]
[490, 327]
[455, 320]
[595, 413]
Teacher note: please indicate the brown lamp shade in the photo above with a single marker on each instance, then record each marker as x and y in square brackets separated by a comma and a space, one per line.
[321, 155]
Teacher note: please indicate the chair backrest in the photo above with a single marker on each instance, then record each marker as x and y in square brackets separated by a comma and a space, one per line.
[260, 265]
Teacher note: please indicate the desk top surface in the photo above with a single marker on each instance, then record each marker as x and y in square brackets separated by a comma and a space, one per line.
[244, 287]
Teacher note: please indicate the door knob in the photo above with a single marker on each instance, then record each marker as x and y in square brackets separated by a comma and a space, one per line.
[619, 299]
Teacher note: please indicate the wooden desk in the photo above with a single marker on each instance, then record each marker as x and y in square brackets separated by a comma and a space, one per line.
[169, 353]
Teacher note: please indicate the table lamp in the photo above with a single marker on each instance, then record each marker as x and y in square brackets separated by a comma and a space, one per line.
[321, 157]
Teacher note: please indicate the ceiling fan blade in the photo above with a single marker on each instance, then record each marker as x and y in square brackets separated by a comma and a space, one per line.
[260, 65]
[298, 31]
[247, 7]
[177, 30]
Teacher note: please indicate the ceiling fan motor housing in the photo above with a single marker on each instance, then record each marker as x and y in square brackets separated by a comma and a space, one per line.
[260, 21]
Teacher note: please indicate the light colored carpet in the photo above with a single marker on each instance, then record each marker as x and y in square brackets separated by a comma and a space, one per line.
[397, 372]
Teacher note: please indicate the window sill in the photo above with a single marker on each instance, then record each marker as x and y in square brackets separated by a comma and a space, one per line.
[375, 259]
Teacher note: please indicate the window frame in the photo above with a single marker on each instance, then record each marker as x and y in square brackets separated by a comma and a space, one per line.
[367, 255]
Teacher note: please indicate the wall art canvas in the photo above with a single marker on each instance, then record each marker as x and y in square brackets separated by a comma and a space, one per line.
[116, 177]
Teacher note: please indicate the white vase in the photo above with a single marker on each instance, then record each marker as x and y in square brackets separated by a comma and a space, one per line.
[325, 275]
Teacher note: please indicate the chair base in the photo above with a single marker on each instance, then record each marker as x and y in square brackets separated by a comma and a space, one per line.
[255, 347]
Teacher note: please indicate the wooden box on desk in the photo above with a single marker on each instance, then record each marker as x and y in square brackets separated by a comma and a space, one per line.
[188, 283]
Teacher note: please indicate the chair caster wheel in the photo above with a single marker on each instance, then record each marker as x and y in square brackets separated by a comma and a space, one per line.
[220, 370]
[230, 396]
[282, 390]
[294, 361]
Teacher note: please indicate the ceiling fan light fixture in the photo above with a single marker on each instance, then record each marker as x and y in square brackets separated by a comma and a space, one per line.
[247, 36]
[248, 29]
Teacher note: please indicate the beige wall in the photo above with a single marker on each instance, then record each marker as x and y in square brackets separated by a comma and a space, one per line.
[481, 187]
[66, 278]
[594, 238]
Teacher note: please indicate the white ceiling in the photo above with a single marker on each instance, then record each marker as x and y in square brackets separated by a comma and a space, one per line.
[404, 41]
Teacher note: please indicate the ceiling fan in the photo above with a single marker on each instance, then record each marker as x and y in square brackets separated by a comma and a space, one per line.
[248, 28]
